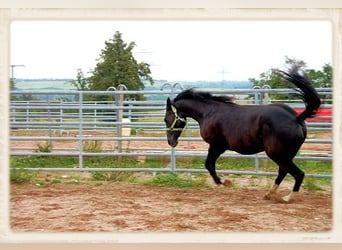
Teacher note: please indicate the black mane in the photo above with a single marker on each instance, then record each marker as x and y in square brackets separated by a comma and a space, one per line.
[202, 96]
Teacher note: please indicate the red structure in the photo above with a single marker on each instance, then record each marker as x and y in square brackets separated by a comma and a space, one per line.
[323, 115]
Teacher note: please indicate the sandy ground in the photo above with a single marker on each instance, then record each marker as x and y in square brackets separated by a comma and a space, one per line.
[125, 207]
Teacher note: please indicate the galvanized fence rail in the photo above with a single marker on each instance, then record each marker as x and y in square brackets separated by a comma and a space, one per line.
[126, 127]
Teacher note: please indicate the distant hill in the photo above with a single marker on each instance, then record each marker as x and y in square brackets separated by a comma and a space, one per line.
[212, 85]
[65, 84]
[43, 84]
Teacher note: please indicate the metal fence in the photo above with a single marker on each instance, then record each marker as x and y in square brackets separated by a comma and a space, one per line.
[68, 123]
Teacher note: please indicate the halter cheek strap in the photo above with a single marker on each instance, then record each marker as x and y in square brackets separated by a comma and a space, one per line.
[177, 118]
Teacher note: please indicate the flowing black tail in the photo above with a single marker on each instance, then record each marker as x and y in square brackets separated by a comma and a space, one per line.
[306, 91]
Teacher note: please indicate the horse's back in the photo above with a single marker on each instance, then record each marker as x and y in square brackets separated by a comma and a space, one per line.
[248, 116]
[252, 129]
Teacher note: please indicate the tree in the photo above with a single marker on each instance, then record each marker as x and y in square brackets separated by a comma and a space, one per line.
[12, 84]
[117, 65]
[319, 78]
[81, 83]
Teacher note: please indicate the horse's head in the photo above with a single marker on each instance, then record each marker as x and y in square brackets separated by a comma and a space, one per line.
[174, 123]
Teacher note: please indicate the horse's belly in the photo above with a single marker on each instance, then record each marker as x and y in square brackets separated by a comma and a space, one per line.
[249, 151]
[247, 147]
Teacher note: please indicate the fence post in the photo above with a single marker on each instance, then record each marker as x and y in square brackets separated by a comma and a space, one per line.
[266, 98]
[257, 95]
[61, 127]
[80, 128]
[261, 98]
[120, 98]
[27, 115]
[95, 115]
[257, 100]
[49, 117]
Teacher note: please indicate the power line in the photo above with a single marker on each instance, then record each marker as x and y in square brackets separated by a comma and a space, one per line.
[144, 52]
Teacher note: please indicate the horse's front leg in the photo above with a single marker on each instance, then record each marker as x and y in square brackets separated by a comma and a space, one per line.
[213, 153]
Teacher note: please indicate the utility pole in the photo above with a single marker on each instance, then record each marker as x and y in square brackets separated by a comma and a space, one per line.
[223, 72]
[12, 69]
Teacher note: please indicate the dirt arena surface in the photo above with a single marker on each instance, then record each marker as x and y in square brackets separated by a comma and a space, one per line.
[125, 207]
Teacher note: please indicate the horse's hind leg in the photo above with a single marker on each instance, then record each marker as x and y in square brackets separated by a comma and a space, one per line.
[298, 175]
[284, 168]
[278, 180]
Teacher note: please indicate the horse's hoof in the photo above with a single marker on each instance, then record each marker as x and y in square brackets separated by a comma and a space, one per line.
[288, 198]
[267, 197]
[227, 183]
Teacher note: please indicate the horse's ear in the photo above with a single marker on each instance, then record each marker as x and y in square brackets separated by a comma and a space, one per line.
[168, 104]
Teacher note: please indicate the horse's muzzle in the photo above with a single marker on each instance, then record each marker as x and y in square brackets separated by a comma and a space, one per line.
[172, 143]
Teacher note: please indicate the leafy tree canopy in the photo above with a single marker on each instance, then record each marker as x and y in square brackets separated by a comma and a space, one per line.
[319, 78]
[81, 83]
[117, 65]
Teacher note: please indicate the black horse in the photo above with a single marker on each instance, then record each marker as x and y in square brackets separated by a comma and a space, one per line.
[247, 129]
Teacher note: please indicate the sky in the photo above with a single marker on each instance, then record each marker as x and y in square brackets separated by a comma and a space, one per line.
[176, 50]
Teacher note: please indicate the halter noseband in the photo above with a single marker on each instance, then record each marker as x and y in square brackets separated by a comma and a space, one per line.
[177, 118]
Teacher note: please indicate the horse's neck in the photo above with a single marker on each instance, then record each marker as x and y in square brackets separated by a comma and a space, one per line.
[193, 108]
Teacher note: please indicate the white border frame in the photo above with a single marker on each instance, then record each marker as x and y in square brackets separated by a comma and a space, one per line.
[216, 10]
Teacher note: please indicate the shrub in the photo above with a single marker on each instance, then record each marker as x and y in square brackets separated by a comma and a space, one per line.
[21, 175]
[92, 146]
[45, 147]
